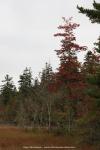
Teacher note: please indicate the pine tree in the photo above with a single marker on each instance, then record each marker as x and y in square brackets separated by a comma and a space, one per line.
[46, 74]
[91, 119]
[97, 44]
[8, 89]
[46, 77]
[91, 63]
[93, 14]
[26, 96]
[25, 82]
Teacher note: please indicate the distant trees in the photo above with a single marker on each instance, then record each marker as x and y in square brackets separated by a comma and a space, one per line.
[8, 99]
[46, 79]
[25, 97]
[91, 63]
[25, 82]
[34, 98]
[8, 89]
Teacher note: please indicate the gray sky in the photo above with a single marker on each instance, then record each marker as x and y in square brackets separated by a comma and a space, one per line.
[27, 28]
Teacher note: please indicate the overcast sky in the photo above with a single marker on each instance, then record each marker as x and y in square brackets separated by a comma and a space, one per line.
[27, 28]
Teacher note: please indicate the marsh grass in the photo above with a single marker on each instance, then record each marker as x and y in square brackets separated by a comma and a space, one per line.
[15, 138]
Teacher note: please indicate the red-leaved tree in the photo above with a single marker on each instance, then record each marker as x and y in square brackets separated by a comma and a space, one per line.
[69, 72]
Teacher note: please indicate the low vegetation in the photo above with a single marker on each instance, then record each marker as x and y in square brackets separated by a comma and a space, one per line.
[14, 138]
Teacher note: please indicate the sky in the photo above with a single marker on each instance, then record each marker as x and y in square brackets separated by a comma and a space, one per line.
[26, 33]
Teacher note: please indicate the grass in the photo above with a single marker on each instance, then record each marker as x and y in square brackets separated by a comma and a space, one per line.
[14, 138]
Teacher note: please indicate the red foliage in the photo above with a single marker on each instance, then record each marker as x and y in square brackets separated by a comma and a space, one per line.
[69, 73]
[69, 69]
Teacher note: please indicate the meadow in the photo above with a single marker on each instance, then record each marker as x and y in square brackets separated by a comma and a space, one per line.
[15, 138]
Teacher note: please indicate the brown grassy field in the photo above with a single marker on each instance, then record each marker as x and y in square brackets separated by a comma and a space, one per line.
[14, 138]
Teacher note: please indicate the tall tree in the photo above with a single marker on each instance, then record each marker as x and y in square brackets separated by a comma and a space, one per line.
[26, 97]
[69, 73]
[8, 89]
[8, 100]
[25, 82]
[47, 98]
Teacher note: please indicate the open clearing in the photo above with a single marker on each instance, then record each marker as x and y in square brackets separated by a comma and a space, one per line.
[14, 138]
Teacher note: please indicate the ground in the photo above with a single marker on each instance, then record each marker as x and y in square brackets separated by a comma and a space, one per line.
[14, 138]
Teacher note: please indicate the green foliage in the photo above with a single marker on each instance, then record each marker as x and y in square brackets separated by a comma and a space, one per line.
[8, 89]
[93, 14]
[25, 82]
[97, 44]
[46, 76]
[89, 128]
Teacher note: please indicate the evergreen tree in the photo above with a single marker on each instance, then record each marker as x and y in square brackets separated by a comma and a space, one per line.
[7, 89]
[26, 97]
[91, 119]
[91, 64]
[46, 74]
[25, 82]
[46, 78]
[97, 44]
[93, 14]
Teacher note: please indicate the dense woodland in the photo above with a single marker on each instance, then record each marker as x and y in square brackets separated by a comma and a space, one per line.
[65, 101]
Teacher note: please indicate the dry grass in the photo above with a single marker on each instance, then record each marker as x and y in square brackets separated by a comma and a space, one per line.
[14, 138]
